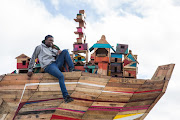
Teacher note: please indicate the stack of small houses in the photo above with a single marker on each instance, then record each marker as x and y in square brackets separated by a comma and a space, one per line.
[80, 47]
[121, 63]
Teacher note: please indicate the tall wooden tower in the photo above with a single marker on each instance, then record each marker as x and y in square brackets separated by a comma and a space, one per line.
[80, 47]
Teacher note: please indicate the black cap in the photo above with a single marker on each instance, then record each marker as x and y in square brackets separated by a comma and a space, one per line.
[48, 36]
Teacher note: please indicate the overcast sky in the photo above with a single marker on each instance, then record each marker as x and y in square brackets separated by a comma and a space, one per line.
[151, 28]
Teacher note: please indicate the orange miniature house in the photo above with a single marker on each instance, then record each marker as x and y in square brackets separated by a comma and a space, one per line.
[102, 55]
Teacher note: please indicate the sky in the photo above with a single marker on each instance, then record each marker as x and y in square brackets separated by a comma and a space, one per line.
[151, 28]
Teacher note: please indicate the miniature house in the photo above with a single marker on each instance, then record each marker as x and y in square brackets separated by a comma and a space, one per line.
[78, 47]
[122, 48]
[130, 65]
[102, 55]
[116, 58]
[116, 65]
[22, 63]
[79, 58]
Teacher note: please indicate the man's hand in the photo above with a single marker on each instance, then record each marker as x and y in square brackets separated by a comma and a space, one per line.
[59, 52]
[29, 74]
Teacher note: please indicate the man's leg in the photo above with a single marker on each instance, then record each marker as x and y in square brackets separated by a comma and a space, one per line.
[54, 70]
[61, 58]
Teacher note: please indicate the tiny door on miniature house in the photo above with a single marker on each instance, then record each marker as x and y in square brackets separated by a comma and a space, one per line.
[116, 58]
[80, 47]
[122, 48]
[116, 67]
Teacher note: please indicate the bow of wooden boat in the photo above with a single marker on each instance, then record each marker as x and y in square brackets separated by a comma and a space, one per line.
[95, 96]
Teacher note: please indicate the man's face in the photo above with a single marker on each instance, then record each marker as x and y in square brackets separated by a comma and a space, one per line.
[49, 42]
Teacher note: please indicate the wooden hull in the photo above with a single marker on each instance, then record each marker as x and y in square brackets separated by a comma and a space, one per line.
[95, 97]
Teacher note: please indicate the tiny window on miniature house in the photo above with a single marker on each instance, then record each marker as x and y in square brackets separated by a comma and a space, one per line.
[79, 46]
[79, 58]
[115, 59]
[129, 74]
[122, 47]
[115, 75]
[24, 62]
[101, 52]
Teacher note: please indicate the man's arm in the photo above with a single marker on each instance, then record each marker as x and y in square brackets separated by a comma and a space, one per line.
[32, 61]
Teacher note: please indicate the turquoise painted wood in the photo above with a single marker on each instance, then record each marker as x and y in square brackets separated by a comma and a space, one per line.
[101, 46]
[92, 67]
[76, 60]
[131, 57]
[133, 65]
[126, 51]
[115, 55]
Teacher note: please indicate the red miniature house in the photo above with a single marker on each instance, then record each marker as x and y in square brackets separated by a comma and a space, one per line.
[22, 61]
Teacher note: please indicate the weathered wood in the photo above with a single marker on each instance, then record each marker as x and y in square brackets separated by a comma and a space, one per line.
[92, 94]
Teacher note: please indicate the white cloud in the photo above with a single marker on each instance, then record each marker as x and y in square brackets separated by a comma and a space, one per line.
[154, 37]
[56, 4]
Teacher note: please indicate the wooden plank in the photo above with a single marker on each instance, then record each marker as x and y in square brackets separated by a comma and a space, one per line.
[1, 77]
[108, 104]
[67, 75]
[139, 103]
[3, 116]
[75, 109]
[17, 87]
[164, 70]
[17, 82]
[23, 76]
[100, 115]
[127, 80]
[1, 101]
[34, 117]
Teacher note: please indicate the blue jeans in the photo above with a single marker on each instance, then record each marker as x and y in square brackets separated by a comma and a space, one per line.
[54, 69]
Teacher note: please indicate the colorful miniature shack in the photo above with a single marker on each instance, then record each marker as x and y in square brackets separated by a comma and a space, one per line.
[116, 66]
[80, 47]
[102, 55]
[22, 63]
[130, 65]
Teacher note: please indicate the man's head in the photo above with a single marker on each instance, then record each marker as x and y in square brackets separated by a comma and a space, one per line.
[49, 40]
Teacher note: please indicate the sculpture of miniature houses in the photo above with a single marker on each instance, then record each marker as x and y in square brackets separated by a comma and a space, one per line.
[22, 63]
[116, 67]
[102, 55]
[80, 47]
[130, 65]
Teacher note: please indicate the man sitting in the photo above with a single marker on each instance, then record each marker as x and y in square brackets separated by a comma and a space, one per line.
[52, 60]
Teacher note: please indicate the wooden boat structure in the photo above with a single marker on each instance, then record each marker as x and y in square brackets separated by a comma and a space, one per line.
[96, 97]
